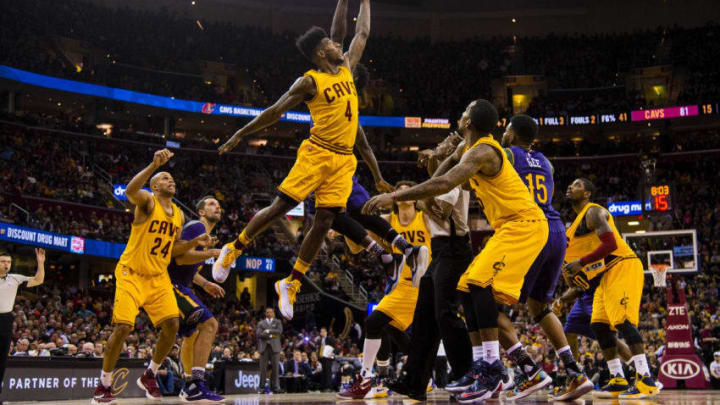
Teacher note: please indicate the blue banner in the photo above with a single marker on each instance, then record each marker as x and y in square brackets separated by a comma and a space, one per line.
[171, 103]
[119, 191]
[251, 263]
[683, 251]
[623, 208]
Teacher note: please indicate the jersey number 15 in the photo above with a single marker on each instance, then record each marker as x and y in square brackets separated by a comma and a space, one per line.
[536, 184]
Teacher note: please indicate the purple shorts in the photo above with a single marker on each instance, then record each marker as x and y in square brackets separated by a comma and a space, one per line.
[193, 311]
[542, 278]
[358, 197]
[578, 320]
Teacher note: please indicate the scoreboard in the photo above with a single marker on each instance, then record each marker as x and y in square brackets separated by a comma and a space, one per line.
[660, 197]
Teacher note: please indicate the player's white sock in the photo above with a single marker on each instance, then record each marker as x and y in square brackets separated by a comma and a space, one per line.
[615, 366]
[106, 378]
[478, 353]
[492, 351]
[370, 351]
[154, 367]
[641, 364]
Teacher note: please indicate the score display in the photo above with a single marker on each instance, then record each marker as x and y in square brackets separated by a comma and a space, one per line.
[664, 113]
[660, 197]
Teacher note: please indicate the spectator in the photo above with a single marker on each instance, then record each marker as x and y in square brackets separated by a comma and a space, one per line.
[21, 348]
[715, 372]
[269, 331]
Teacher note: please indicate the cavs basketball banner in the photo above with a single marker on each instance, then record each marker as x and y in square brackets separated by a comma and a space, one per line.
[43, 379]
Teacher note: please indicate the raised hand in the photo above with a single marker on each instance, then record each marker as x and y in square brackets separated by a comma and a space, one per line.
[161, 157]
[40, 255]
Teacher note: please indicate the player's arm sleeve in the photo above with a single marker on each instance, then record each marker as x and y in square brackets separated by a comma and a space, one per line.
[510, 156]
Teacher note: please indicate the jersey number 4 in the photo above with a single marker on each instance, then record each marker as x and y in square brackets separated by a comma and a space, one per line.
[537, 187]
[348, 111]
[164, 251]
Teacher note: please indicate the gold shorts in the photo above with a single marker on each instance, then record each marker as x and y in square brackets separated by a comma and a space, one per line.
[399, 305]
[328, 174]
[506, 258]
[617, 298]
[153, 293]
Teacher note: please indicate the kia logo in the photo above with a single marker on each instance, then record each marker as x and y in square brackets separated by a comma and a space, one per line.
[680, 369]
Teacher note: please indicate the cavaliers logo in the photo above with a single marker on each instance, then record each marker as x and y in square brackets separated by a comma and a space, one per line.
[498, 266]
[208, 108]
[119, 380]
[624, 301]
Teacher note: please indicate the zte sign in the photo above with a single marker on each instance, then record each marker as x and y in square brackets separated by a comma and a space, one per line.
[680, 369]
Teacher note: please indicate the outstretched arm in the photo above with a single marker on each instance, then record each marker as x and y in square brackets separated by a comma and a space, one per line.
[481, 158]
[134, 192]
[363, 147]
[40, 273]
[338, 30]
[450, 161]
[362, 32]
[303, 88]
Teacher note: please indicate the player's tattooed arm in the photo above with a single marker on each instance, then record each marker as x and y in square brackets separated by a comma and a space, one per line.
[338, 29]
[597, 220]
[363, 148]
[362, 33]
[302, 89]
[481, 158]
[450, 161]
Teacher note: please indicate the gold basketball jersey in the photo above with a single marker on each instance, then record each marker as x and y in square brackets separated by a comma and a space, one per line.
[582, 240]
[503, 197]
[334, 111]
[416, 233]
[149, 249]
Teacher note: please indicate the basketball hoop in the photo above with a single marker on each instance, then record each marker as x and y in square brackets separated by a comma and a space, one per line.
[659, 273]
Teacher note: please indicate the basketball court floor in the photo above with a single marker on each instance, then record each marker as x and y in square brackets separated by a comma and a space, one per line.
[669, 397]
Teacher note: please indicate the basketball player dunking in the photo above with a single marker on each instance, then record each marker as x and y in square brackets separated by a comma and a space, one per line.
[141, 274]
[521, 231]
[325, 162]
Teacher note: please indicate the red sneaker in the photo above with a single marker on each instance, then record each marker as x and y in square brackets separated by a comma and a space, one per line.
[148, 383]
[103, 395]
[359, 389]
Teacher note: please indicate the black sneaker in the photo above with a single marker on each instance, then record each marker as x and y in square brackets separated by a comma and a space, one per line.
[467, 380]
[484, 387]
[418, 260]
[393, 270]
[398, 385]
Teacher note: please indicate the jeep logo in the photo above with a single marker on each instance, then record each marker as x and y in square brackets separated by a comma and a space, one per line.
[247, 380]
[680, 369]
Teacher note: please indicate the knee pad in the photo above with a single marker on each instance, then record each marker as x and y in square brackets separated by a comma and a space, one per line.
[374, 324]
[605, 336]
[629, 333]
[545, 312]
[470, 318]
[486, 308]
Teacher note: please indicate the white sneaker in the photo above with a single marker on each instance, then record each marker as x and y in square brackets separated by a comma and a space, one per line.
[223, 264]
[286, 290]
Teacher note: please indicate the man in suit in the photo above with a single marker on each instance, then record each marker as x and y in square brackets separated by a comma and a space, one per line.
[300, 372]
[269, 331]
[296, 367]
[326, 354]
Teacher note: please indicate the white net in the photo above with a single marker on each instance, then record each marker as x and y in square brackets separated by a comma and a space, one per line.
[659, 273]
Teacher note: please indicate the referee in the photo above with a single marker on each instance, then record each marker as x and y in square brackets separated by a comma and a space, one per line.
[436, 312]
[9, 284]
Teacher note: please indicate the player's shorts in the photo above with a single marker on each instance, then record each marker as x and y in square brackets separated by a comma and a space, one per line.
[192, 311]
[399, 305]
[153, 293]
[506, 259]
[617, 298]
[358, 197]
[542, 278]
[328, 174]
[578, 320]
